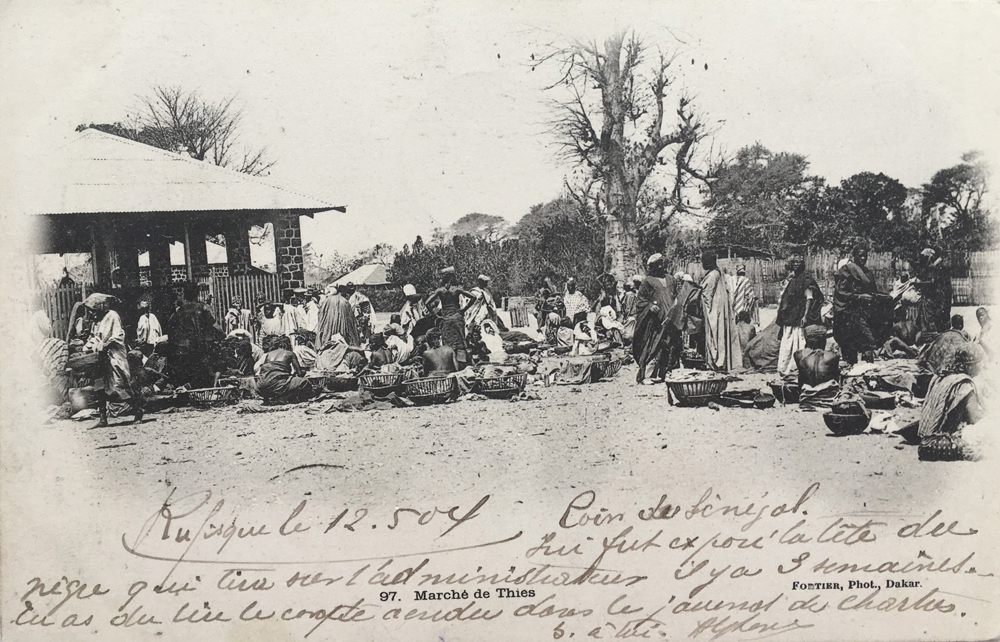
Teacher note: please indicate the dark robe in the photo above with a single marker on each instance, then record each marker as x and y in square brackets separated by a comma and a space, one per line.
[336, 317]
[193, 337]
[852, 316]
[653, 329]
[793, 302]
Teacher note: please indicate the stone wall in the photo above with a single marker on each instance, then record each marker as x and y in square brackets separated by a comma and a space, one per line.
[288, 250]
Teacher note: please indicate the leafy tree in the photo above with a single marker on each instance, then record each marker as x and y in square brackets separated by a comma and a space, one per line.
[953, 208]
[483, 226]
[753, 196]
[615, 127]
[182, 121]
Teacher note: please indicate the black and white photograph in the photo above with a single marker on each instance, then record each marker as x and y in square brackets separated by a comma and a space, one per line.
[525, 321]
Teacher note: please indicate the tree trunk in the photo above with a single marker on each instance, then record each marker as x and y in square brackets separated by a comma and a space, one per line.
[621, 247]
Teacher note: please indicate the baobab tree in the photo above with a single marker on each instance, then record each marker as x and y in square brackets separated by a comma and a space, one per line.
[633, 159]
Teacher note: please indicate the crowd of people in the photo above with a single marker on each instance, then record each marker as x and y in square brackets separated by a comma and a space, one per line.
[664, 320]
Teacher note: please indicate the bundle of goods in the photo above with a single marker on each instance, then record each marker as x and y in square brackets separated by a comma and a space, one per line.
[605, 369]
[84, 364]
[694, 387]
[333, 381]
[785, 391]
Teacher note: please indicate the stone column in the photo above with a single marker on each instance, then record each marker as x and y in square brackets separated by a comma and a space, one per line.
[237, 232]
[288, 250]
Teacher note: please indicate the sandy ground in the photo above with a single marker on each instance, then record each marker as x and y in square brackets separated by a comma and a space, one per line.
[72, 489]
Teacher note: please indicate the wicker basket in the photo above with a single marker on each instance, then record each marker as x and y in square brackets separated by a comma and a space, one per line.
[431, 389]
[211, 397]
[846, 424]
[502, 387]
[696, 393]
[381, 384]
[605, 369]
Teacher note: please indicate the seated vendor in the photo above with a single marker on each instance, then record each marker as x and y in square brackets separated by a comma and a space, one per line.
[381, 354]
[439, 360]
[815, 363]
[280, 379]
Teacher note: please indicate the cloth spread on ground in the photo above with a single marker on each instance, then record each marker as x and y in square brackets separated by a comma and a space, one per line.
[575, 371]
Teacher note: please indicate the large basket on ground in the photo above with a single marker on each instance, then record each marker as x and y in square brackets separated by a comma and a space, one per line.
[696, 393]
[213, 397]
[502, 387]
[846, 424]
[381, 384]
[431, 390]
[605, 369]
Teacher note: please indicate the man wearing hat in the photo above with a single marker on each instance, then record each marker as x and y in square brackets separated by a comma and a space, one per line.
[483, 306]
[575, 303]
[413, 309]
[656, 339]
[108, 340]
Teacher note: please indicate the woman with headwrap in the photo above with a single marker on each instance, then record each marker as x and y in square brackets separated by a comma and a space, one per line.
[722, 342]
[654, 335]
[114, 381]
[952, 402]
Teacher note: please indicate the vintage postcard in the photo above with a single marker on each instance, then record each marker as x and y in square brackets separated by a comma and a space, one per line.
[444, 320]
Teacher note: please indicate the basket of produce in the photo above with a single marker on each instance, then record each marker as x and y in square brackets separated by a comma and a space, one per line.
[696, 391]
[212, 397]
[785, 392]
[843, 424]
[381, 384]
[693, 360]
[605, 369]
[502, 387]
[431, 390]
[84, 364]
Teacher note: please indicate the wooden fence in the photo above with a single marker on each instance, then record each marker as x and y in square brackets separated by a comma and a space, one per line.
[249, 287]
[58, 304]
[972, 284]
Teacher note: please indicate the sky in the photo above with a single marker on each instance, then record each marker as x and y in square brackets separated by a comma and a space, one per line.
[414, 114]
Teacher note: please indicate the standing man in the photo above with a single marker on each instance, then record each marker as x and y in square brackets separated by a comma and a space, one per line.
[852, 298]
[744, 296]
[934, 284]
[655, 337]
[336, 317]
[413, 310]
[193, 334]
[148, 332]
[452, 314]
[722, 343]
[800, 305]
[361, 306]
[483, 306]
[576, 303]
